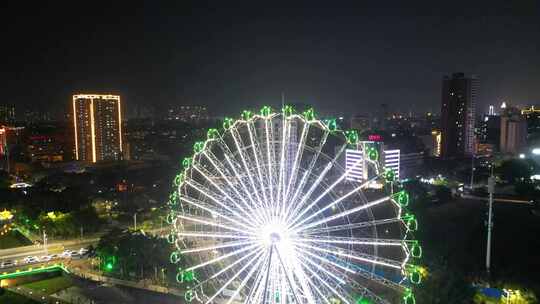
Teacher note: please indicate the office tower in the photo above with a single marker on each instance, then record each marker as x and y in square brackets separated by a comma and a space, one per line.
[98, 127]
[459, 94]
[513, 131]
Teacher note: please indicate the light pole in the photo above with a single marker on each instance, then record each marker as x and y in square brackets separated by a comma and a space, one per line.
[472, 171]
[135, 221]
[491, 188]
[45, 241]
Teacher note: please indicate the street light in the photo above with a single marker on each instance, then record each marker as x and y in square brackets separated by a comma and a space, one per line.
[536, 151]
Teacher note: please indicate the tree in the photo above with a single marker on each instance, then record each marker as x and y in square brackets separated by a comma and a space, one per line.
[444, 285]
[515, 170]
[443, 194]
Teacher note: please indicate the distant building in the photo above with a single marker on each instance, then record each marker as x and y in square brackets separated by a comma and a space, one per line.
[432, 142]
[360, 122]
[98, 127]
[45, 148]
[513, 131]
[404, 165]
[191, 114]
[382, 117]
[37, 116]
[3, 141]
[7, 114]
[459, 94]
[532, 116]
[490, 130]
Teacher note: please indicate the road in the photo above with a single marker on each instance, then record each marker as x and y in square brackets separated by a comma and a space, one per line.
[19, 253]
[495, 199]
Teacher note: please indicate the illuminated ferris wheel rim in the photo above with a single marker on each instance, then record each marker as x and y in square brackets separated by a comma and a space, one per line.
[260, 221]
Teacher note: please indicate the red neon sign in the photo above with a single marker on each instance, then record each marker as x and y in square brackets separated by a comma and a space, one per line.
[374, 137]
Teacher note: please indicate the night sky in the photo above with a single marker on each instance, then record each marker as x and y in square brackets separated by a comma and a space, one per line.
[350, 58]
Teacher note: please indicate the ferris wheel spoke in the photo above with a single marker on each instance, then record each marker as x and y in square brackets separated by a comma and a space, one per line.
[342, 214]
[212, 235]
[287, 271]
[337, 201]
[351, 241]
[223, 257]
[359, 256]
[215, 247]
[311, 166]
[214, 212]
[228, 267]
[339, 263]
[214, 224]
[245, 280]
[325, 271]
[256, 212]
[270, 161]
[351, 226]
[330, 188]
[325, 283]
[281, 176]
[256, 155]
[297, 157]
[226, 201]
[298, 206]
[254, 291]
[233, 278]
[221, 190]
[241, 151]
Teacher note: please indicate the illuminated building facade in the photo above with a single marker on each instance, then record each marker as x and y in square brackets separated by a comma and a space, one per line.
[513, 131]
[404, 165]
[98, 127]
[459, 95]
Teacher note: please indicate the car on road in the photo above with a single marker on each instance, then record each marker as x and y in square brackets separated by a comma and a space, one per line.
[45, 258]
[30, 259]
[8, 263]
[66, 254]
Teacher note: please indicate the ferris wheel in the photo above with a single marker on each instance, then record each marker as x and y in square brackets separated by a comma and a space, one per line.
[268, 211]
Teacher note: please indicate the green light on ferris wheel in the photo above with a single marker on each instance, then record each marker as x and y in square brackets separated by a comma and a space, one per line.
[309, 114]
[266, 111]
[246, 115]
[288, 110]
[372, 154]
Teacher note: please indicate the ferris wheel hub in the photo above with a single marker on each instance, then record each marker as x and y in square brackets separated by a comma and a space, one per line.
[275, 237]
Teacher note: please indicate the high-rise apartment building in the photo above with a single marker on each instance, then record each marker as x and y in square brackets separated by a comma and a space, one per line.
[459, 94]
[98, 127]
[513, 131]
